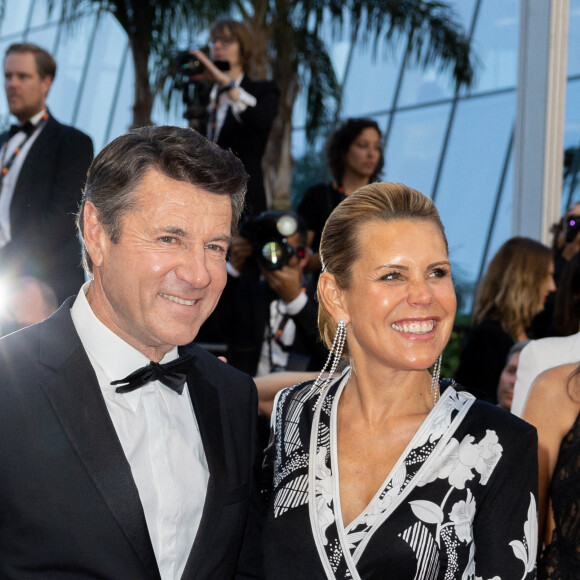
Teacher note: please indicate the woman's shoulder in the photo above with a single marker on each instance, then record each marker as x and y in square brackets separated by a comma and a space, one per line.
[552, 390]
[298, 392]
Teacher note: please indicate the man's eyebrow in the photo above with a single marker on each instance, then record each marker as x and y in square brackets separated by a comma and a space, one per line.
[171, 230]
[225, 238]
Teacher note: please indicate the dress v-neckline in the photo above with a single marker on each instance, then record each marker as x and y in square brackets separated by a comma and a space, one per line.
[334, 541]
[419, 434]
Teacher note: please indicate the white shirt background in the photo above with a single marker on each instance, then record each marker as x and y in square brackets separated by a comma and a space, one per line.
[160, 436]
[10, 179]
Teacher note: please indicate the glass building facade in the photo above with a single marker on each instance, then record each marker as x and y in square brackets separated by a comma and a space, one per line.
[456, 147]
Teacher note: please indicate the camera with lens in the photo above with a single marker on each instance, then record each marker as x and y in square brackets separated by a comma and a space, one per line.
[189, 65]
[195, 94]
[572, 227]
[269, 233]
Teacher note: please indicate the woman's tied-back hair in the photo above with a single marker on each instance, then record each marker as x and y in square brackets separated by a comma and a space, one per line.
[510, 290]
[178, 153]
[340, 244]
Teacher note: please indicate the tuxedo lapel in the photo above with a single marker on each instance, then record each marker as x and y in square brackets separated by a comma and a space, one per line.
[28, 178]
[206, 404]
[75, 396]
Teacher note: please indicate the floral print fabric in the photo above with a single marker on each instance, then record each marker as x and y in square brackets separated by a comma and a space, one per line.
[457, 504]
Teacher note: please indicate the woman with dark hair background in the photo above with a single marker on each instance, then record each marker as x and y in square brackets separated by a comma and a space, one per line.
[354, 155]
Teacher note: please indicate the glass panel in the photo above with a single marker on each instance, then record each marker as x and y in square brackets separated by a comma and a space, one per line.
[40, 15]
[123, 108]
[70, 57]
[428, 85]
[495, 42]
[503, 220]
[571, 185]
[574, 39]
[414, 146]
[45, 37]
[15, 17]
[471, 175]
[101, 78]
[371, 80]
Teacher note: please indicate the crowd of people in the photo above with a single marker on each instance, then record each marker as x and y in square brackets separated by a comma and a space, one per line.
[321, 440]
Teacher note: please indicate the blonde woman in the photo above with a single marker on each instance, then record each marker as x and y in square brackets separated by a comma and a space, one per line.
[514, 289]
[384, 471]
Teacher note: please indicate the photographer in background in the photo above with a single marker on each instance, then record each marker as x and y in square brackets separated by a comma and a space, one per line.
[267, 314]
[565, 245]
[239, 111]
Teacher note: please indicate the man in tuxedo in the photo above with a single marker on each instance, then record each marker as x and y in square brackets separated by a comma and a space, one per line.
[123, 456]
[44, 165]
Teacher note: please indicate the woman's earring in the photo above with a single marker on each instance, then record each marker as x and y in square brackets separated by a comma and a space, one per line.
[333, 360]
[435, 379]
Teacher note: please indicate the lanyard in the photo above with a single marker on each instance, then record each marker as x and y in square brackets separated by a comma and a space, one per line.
[6, 165]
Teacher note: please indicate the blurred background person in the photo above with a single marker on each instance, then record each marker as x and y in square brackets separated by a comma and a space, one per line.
[561, 348]
[507, 379]
[386, 455]
[553, 407]
[239, 111]
[25, 301]
[566, 238]
[43, 170]
[565, 245]
[268, 312]
[354, 153]
[513, 290]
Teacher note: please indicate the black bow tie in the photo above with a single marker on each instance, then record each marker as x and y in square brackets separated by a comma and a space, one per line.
[27, 128]
[172, 374]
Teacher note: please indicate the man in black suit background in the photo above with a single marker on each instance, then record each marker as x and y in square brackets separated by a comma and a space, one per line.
[44, 165]
[107, 475]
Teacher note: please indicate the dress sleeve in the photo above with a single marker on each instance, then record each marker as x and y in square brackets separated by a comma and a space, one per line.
[505, 529]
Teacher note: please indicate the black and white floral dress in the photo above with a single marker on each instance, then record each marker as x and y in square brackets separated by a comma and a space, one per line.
[460, 503]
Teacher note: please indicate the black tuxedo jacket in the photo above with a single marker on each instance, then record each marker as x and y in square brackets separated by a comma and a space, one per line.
[248, 139]
[44, 242]
[69, 507]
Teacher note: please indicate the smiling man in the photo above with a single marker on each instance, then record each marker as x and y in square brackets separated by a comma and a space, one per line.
[123, 455]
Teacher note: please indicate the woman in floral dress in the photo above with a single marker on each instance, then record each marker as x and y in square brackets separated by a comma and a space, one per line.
[385, 471]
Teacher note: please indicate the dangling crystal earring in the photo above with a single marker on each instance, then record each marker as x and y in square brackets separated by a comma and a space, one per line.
[334, 355]
[435, 379]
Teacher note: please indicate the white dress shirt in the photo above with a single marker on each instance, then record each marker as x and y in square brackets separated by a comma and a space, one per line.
[272, 354]
[539, 356]
[10, 179]
[244, 101]
[160, 436]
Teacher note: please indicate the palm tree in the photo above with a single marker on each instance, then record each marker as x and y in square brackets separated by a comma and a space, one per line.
[288, 31]
[152, 27]
[432, 32]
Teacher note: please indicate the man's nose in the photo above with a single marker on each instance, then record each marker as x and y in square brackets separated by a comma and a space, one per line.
[193, 268]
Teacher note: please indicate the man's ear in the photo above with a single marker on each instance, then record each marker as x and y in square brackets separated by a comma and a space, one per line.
[333, 297]
[95, 238]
